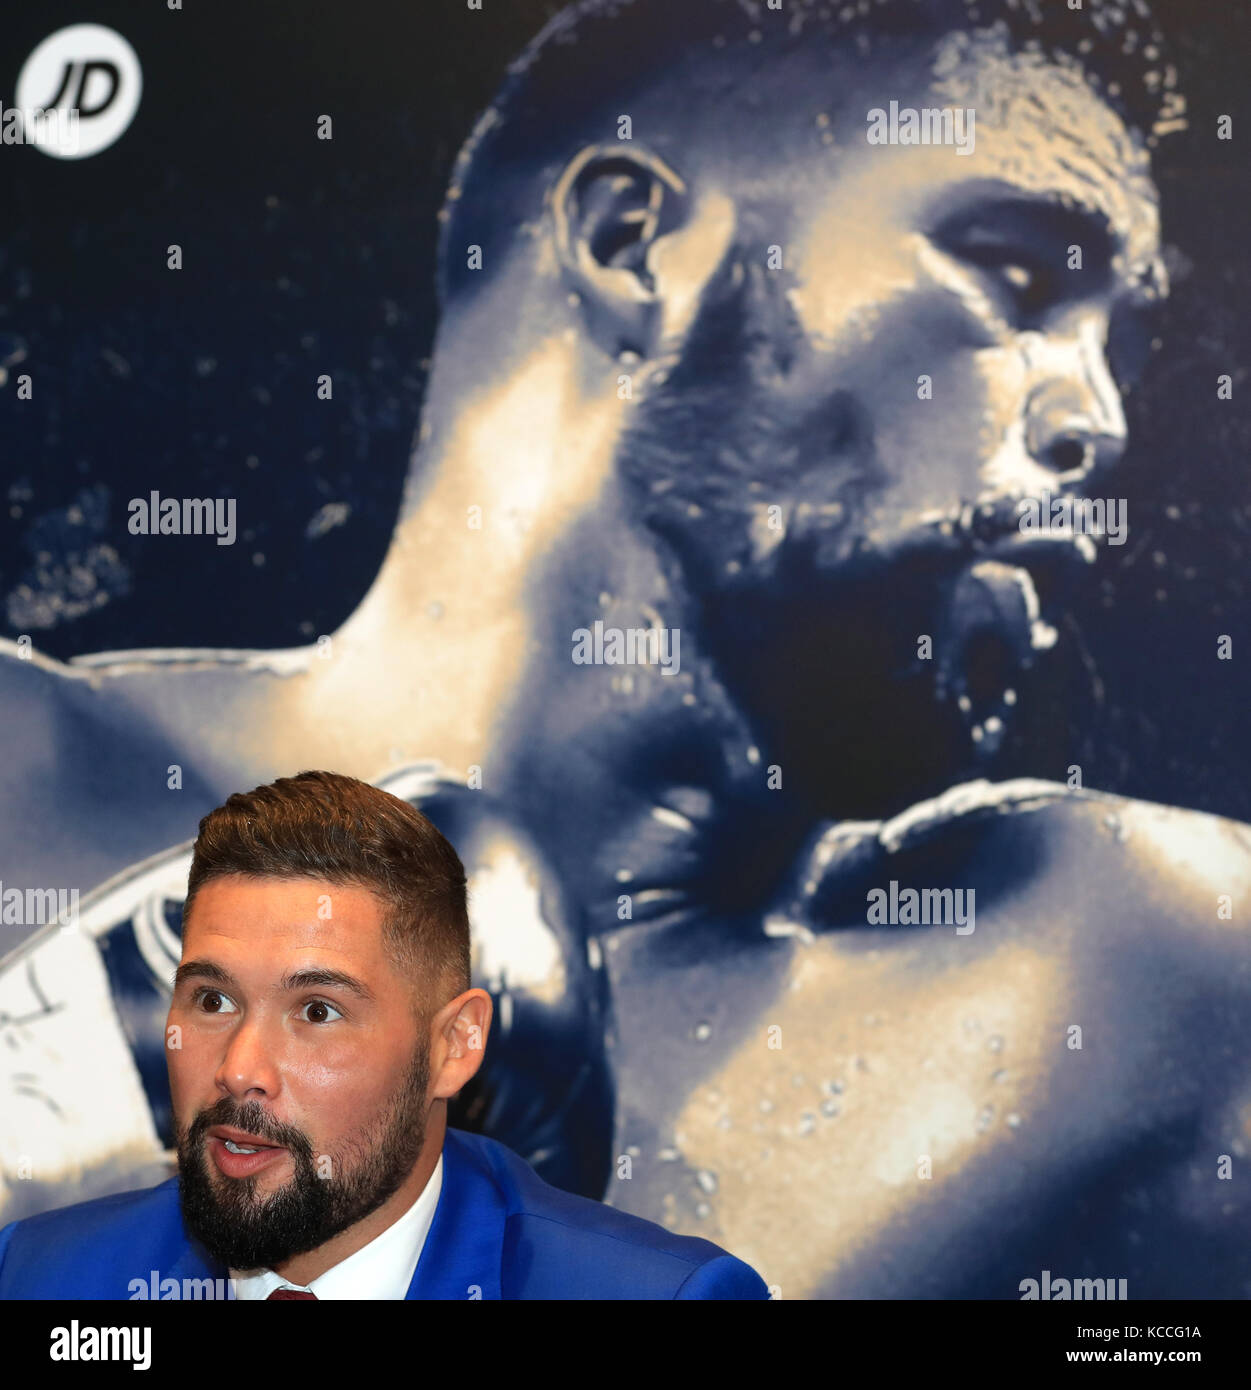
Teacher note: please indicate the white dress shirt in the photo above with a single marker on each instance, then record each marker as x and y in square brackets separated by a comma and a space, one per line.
[382, 1269]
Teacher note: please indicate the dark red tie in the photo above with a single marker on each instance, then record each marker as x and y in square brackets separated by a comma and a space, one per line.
[289, 1293]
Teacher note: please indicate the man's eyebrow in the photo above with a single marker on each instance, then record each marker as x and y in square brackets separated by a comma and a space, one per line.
[320, 977]
[315, 977]
[1049, 216]
[204, 970]
[1042, 216]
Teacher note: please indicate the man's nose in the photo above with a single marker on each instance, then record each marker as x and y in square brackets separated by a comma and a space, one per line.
[248, 1065]
[1074, 423]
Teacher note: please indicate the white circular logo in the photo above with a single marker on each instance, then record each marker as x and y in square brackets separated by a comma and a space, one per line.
[78, 91]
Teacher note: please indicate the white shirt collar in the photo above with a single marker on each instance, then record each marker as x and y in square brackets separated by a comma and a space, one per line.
[383, 1269]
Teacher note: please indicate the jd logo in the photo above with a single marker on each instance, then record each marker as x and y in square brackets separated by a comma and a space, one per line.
[87, 69]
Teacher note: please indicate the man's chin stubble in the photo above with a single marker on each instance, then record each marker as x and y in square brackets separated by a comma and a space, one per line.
[244, 1232]
[247, 1231]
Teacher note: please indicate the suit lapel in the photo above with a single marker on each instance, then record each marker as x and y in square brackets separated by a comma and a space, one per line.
[464, 1250]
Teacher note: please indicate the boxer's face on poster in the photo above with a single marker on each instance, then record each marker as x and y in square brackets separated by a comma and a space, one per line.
[329, 1068]
[929, 341]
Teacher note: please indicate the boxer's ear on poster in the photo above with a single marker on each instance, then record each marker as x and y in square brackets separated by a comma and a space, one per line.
[610, 207]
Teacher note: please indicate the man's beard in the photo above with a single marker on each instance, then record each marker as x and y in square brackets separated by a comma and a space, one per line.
[719, 455]
[816, 633]
[244, 1231]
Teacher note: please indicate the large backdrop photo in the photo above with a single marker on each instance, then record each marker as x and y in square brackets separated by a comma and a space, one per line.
[767, 478]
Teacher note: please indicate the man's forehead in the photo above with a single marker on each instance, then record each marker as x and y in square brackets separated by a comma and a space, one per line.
[287, 913]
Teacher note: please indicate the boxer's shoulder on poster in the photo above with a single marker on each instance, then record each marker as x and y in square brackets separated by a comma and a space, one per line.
[1162, 875]
[141, 681]
[30, 683]
[73, 728]
[1043, 856]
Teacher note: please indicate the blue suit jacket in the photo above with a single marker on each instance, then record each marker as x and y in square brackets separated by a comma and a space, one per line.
[499, 1231]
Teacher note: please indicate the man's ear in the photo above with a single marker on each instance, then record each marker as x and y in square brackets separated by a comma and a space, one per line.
[610, 207]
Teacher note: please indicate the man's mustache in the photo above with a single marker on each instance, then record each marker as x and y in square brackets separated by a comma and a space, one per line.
[837, 543]
[250, 1119]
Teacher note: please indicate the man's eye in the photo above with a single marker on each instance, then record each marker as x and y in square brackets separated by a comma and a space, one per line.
[320, 1004]
[1031, 284]
[1027, 279]
[1021, 278]
[209, 997]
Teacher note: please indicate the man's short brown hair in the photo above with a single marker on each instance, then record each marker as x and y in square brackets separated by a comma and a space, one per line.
[323, 825]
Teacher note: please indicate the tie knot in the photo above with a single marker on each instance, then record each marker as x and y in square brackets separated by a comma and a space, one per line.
[290, 1293]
